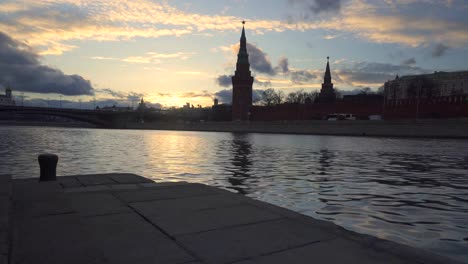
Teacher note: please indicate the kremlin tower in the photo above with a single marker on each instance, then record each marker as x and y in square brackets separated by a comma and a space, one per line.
[242, 83]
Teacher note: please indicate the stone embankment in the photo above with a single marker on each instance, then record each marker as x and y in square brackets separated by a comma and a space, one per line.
[125, 218]
[415, 128]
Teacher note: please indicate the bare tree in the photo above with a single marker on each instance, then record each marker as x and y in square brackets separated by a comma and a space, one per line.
[292, 97]
[278, 97]
[268, 96]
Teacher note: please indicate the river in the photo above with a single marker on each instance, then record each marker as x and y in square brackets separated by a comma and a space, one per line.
[412, 191]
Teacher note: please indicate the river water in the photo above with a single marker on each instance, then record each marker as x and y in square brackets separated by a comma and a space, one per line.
[413, 191]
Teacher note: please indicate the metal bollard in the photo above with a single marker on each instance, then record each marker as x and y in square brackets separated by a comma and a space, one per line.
[48, 165]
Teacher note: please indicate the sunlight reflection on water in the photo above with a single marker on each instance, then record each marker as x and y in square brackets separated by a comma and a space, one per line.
[413, 191]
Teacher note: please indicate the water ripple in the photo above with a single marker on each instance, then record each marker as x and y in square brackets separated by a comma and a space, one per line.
[413, 191]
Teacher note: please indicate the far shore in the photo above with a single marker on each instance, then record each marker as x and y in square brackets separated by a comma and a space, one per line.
[423, 128]
[46, 124]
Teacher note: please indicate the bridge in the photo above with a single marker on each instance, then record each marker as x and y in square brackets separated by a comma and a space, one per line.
[100, 118]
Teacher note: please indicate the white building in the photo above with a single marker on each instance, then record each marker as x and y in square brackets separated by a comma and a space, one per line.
[436, 84]
[7, 99]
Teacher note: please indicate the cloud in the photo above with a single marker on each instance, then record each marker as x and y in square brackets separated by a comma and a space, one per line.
[20, 66]
[259, 60]
[177, 55]
[283, 65]
[224, 80]
[265, 84]
[164, 94]
[224, 96]
[110, 92]
[319, 6]
[103, 58]
[203, 93]
[410, 61]
[302, 76]
[375, 73]
[372, 21]
[140, 59]
[150, 57]
[133, 96]
[439, 50]
[121, 96]
[52, 25]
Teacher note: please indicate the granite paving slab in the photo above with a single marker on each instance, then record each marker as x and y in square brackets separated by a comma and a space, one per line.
[69, 182]
[128, 238]
[335, 251]
[165, 192]
[174, 207]
[88, 204]
[185, 222]
[53, 239]
[243, 242]
[98, 179]
[124, 218]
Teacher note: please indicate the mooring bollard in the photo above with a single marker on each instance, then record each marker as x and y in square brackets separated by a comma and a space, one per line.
[48, 165]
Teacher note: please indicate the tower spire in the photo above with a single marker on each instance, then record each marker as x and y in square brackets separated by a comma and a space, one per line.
[327, 93]
[242, 82]
[327, 77]
[243, 56]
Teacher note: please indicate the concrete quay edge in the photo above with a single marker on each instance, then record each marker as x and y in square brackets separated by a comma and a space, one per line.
[185, 222]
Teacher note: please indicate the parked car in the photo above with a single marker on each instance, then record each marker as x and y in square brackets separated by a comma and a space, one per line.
[343, 116]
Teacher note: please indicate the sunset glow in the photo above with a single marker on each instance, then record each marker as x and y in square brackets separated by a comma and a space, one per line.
[174, 52]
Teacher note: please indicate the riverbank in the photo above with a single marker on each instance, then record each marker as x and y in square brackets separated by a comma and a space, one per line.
[125, 218]
[454, 128]
[413, 128]
[46, 124]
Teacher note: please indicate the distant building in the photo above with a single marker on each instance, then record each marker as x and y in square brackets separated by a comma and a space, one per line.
[7, 99]
[437, 84]
[242, 82]
[115, 108]
[327, 93]
[142, 106]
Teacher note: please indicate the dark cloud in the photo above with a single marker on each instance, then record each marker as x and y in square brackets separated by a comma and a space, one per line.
[439, 50]
[132, 96]
[204, 93]
[283, 65]
[302, 76]
[20, 67]
[318, 6]
[374, 72]
[110, 92]
[410, 61]
[225, 96]
[259, 63]
[259, 60]
[224, 80]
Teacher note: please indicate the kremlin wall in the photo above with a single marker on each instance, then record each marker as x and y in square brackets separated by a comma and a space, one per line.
[434, 96]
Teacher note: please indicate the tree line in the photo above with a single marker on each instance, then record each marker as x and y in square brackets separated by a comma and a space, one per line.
[274, 97]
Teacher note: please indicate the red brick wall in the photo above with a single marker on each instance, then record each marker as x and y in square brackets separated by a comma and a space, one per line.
[442, 107]
[314, 111]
